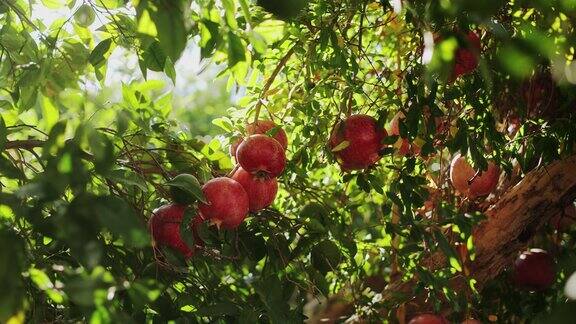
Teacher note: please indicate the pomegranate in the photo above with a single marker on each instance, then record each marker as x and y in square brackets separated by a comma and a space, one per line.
[406, 148]
[261, 190]
[164, 226]
[261, 154]
[261, 127]
[364, 142]
[227, 203]
[428, 319]
[467, 57]
[234, 147]
[465, 180]
[534, 270]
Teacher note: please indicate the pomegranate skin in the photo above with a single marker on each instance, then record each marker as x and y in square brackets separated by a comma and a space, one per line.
[227, 202]
[164, 226]
[261, 154]
[466, 58]
[261, 190]
[234, 147]
[534, 270]
[263, 126]
[461, 171]
[406, 148]
[428, 319]
[365, 142]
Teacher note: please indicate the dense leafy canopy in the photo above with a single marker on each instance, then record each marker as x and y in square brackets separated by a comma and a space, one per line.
[82, 165]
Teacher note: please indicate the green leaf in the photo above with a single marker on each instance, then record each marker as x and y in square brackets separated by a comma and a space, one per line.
[169, 21]
[236, 50]
[341, 146]
[97, 57]
[9, 170]
[10, 274]
[219, 309]
[109, 4]
[128, 178]
[153, 57]
[170, 70]
[326, 256]
[117, 216]
[252, 245]
[186, 189]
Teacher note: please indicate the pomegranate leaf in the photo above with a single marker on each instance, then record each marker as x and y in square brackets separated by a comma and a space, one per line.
[341, 146]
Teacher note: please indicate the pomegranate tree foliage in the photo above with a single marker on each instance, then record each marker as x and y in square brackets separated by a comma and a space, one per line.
[80, 174]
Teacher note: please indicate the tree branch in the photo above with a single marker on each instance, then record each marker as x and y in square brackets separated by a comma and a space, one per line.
[24, 144]
[270, 80]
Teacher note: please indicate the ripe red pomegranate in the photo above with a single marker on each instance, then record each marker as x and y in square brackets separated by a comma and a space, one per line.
[534, 270]
[261, 190]
[406, 148]
[467, 57]
[261, 154]
[164, 226]
[428, 319]
[261, 127]
[461, 172]
[227, 203]
[234, 147]
[364, 139]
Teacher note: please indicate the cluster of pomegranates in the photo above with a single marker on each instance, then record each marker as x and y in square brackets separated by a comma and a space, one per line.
[228, 200]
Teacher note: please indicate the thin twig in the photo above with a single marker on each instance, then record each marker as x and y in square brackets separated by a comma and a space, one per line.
[270, 80]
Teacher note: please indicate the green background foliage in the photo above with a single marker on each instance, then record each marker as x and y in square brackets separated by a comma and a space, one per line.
[107, 102]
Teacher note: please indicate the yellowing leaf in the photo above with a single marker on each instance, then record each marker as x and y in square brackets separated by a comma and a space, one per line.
[341, 146]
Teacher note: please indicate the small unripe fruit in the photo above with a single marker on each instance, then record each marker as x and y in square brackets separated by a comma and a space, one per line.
[164, 226]
[465, 180]
[227, 203]
[364, 142]
[534, 270]
[261, 154]
[261, 190]
[428, 319]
